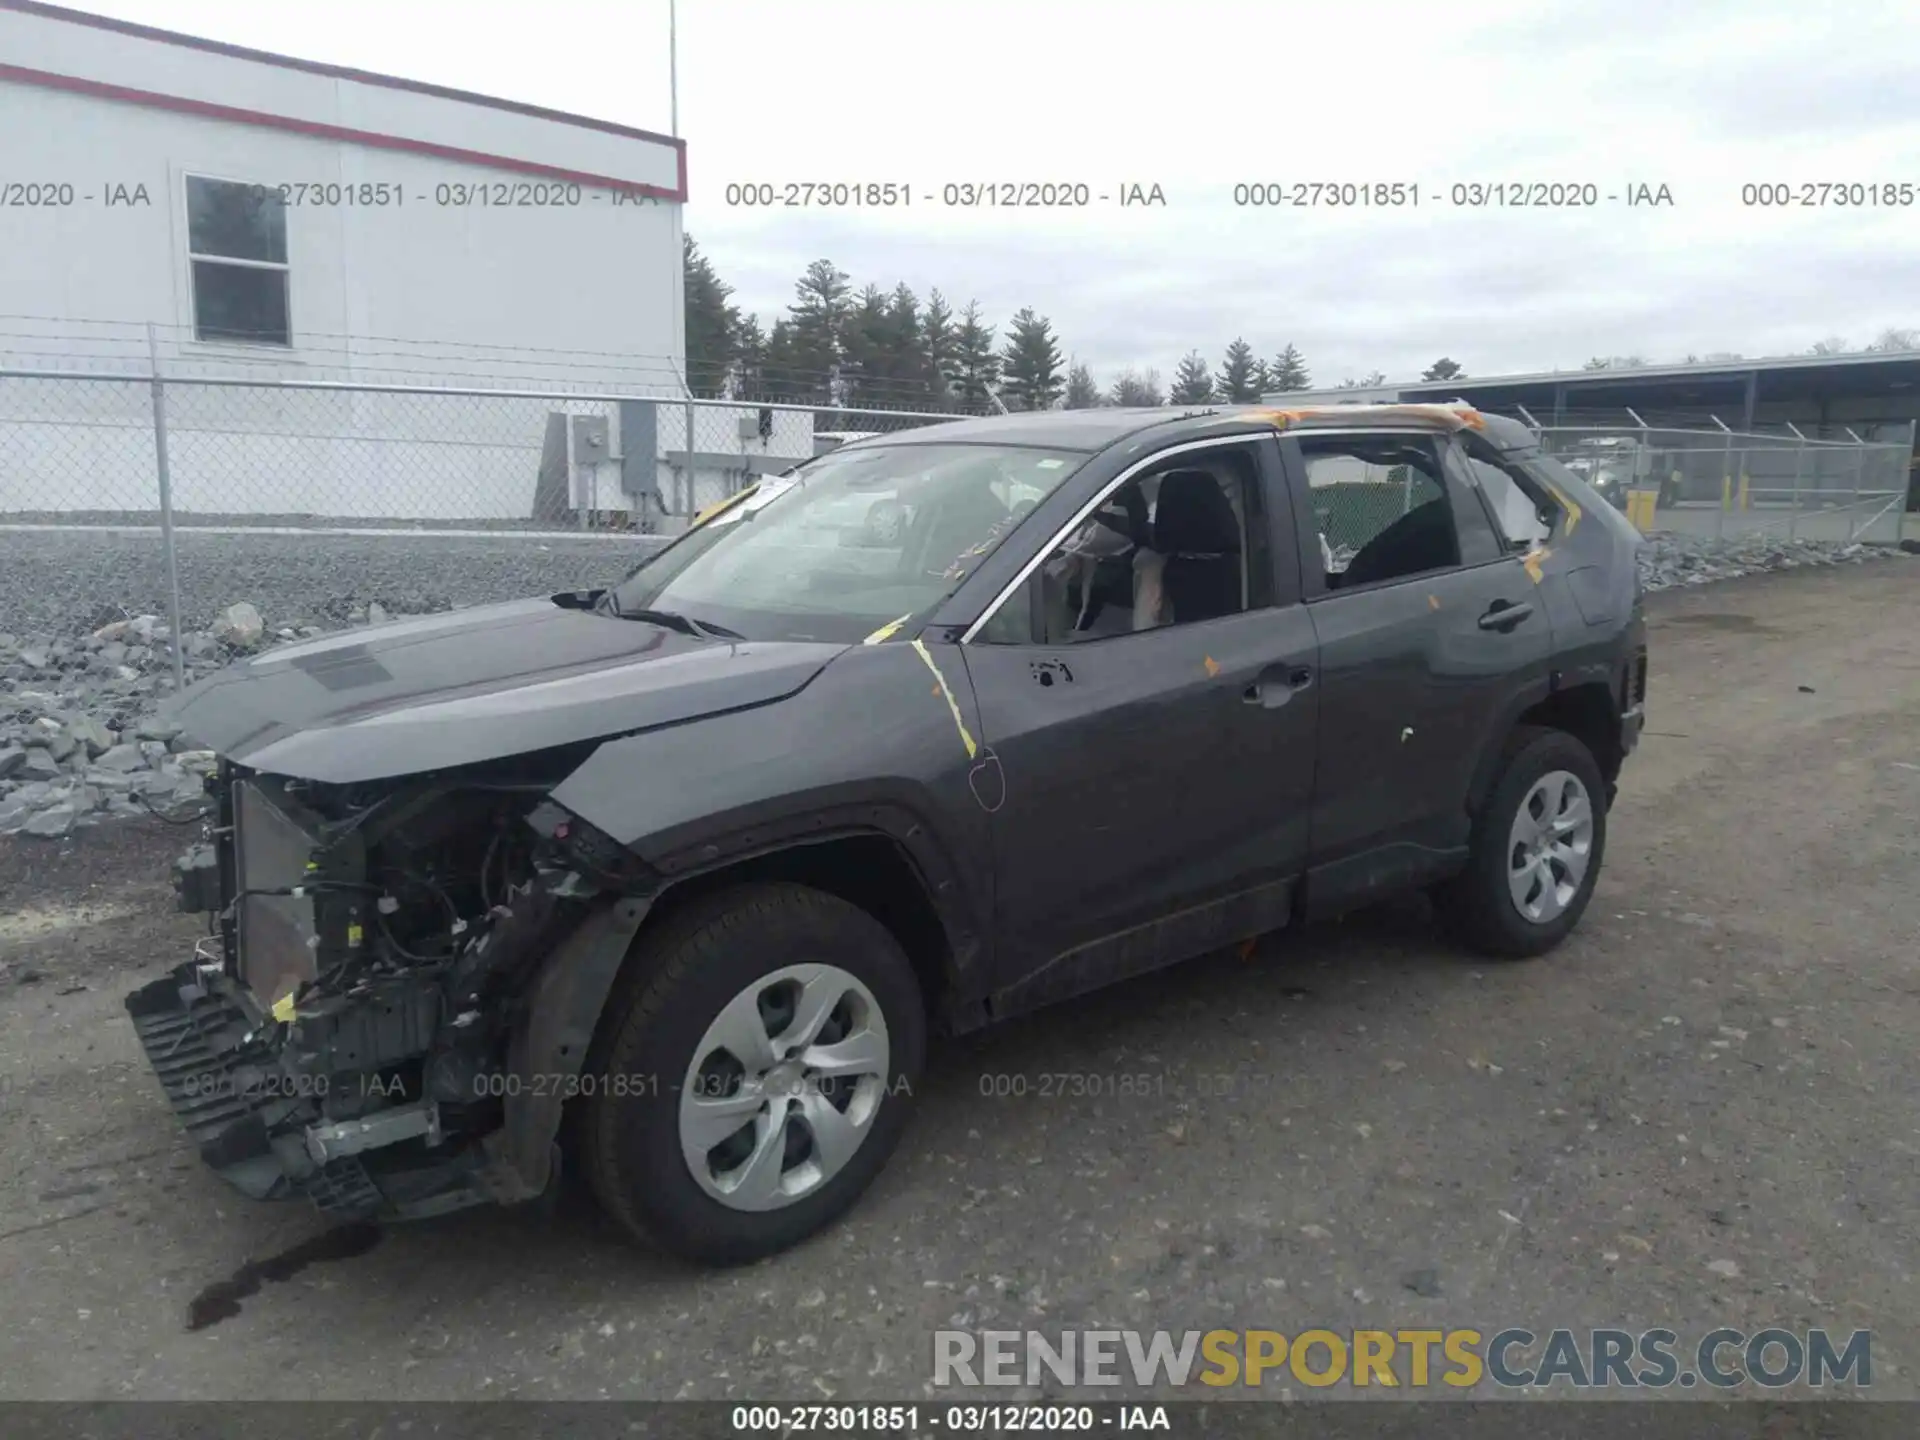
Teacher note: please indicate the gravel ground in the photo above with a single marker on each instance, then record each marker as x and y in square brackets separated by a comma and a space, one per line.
[53, 582]
[1699, 1112]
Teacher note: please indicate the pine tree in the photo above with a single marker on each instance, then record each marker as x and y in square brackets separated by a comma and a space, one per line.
[1135, 389]
[1192, 381]
[1082, 392]
[817, 322]
[1242, 377]
[915, 379]
[976, 368]
[939, 342]
[747, 378]
[1288, 372]
[1443, 369]
[781, 375]
[711, 322]
[1030, 364]
[1366, 382]
[864, 358]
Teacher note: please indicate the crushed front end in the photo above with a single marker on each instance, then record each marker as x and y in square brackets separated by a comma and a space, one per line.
[362, 1026]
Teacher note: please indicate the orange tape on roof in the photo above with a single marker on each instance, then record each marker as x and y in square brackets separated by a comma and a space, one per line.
[1454, 417]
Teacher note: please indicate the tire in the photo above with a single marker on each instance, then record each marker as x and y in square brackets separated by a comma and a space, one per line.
[1481, 905]
[778, 953]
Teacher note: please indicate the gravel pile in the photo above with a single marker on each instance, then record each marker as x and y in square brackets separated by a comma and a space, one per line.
[89, 658]
[54, 582]
[1669, 560]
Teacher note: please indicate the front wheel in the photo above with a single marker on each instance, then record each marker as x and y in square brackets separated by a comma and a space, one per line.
[772, 1036]
[1536, 849]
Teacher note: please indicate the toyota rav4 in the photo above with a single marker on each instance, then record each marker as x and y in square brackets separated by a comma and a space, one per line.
[676, 877]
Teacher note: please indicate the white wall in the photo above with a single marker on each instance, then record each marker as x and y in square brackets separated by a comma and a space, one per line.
[580, 296]
[553, 290]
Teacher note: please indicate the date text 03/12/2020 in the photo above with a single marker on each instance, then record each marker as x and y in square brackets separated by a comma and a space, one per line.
[918, 1419]
[951, 195]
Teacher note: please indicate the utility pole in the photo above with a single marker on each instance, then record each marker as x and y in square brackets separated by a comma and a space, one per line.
[680, 235]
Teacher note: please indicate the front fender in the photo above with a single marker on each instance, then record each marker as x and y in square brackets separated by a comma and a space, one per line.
[876, 744]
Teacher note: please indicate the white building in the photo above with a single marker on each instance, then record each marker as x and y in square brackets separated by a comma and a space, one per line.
[279, 219]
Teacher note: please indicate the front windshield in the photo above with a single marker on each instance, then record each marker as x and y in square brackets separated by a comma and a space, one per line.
[848, 542]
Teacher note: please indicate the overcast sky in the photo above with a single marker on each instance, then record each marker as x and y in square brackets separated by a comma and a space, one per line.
[1701, 95]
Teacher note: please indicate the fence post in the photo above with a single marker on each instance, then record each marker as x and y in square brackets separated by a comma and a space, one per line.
[1906, 479]
[1799, 460]
[166, 510]
[1726, 479]
[1853, 506]
[575, 491]
[686, 383]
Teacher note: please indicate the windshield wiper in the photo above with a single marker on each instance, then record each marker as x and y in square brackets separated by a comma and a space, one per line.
[673, 620]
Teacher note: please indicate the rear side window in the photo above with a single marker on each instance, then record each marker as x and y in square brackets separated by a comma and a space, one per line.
[1381, 508]
[1523, 513]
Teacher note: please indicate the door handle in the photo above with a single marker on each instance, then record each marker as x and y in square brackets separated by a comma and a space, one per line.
[1504, 615]
[1277, 685]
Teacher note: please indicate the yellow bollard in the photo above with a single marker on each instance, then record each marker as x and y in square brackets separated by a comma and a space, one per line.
[1745, 481]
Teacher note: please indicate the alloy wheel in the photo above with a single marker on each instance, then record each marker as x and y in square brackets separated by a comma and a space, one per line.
[783, 1087]
[1549, 846]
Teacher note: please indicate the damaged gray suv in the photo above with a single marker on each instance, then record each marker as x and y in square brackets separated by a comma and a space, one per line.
[675, 878]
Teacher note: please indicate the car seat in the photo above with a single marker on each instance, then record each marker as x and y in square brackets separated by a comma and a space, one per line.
[1195, 527]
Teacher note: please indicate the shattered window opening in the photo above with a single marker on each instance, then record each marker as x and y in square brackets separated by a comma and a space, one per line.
[854, 540]
[1178, 545]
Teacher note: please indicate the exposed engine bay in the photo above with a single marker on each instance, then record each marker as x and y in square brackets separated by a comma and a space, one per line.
[358, 1026]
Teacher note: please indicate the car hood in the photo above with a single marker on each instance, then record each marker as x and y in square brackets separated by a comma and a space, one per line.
[471, 685]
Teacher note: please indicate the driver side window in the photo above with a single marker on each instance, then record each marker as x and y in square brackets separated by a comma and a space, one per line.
[1180, 544]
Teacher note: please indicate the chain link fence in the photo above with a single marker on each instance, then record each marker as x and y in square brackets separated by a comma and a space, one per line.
[1352, 510]
[312, 499]
[1719, 482]
[138, 490]
[90, 449]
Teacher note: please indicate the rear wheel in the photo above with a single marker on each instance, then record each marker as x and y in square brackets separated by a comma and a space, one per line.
[1536, 849]
[768, 1039]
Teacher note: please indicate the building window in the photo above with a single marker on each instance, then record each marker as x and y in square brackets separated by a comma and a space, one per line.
[237, 246]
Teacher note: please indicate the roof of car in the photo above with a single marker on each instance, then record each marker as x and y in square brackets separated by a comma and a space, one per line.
[1096, 429]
